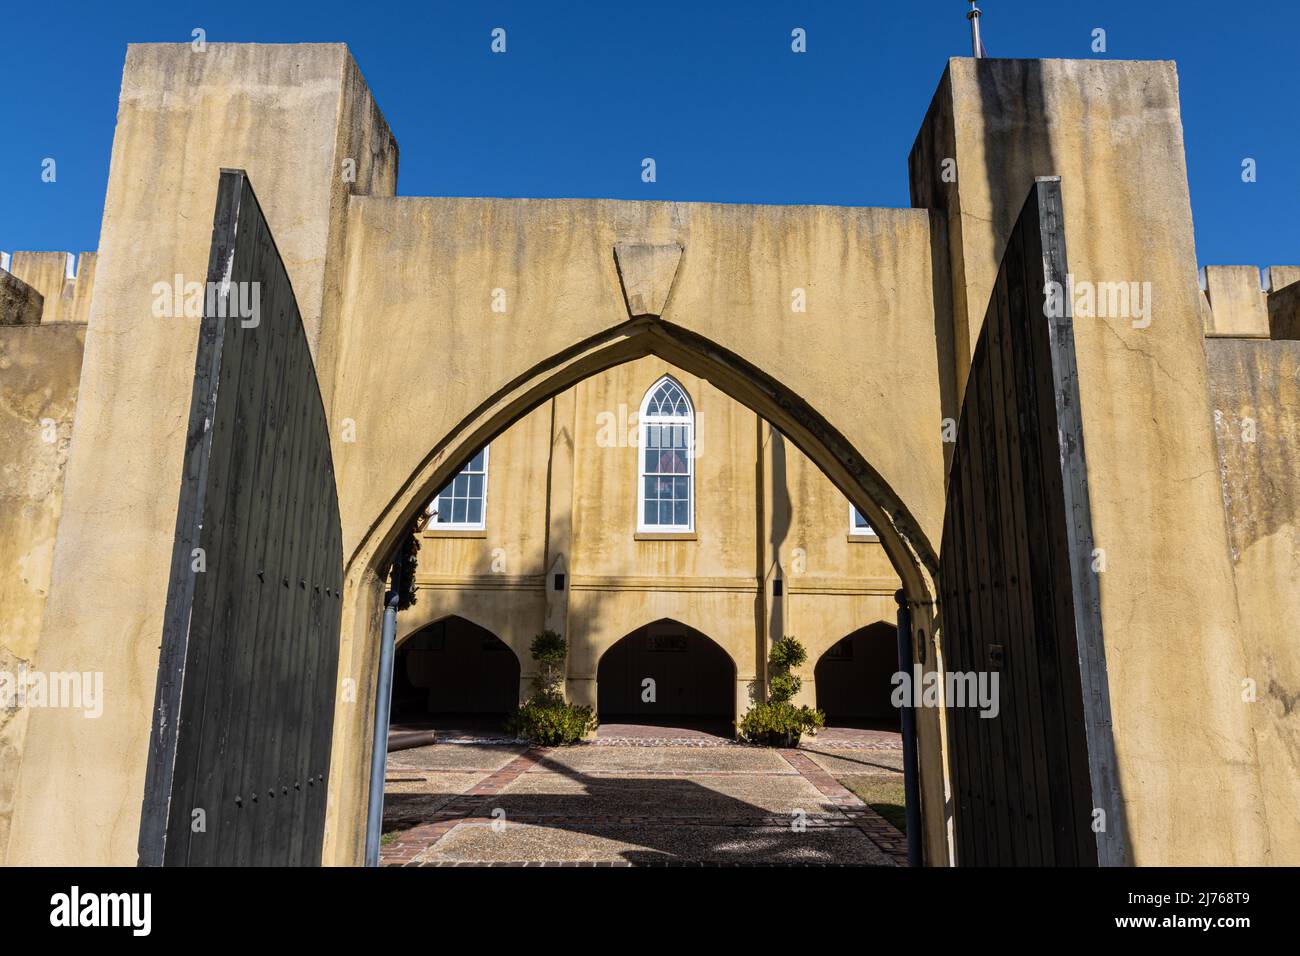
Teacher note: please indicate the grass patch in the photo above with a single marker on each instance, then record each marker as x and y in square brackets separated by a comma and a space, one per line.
[882, 793]
[388, 838]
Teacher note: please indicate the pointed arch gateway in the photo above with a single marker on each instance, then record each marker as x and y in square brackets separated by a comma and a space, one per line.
[454, 669]
[708, 310]
[667, 673]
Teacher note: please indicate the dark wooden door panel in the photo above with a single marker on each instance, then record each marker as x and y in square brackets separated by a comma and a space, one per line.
[244, 710]
[1018, 593]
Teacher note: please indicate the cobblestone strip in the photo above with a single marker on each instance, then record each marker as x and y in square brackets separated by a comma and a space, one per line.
[410, 843]
[875, 827]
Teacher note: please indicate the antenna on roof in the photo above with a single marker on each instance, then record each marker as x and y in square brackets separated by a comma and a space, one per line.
[977, 45]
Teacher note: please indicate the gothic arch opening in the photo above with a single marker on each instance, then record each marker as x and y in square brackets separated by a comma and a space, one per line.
[454, 670]
[853, 678]
[900, 532]
[666, 673]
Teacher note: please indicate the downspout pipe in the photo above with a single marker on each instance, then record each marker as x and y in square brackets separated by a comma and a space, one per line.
[911, 774]
[379, 745]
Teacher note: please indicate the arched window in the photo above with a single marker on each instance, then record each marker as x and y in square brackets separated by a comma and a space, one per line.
[666, 477]
[462, 505]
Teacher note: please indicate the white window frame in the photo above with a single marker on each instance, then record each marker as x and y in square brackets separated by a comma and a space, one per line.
[868, 533]
[436, 525]
[643, 424]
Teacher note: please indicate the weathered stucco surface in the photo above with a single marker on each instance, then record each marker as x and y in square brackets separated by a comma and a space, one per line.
[20, 304]
[40, 366]
[1255, 388]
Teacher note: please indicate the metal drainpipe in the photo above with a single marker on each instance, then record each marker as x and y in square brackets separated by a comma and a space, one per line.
[911, 778]
[379, 746]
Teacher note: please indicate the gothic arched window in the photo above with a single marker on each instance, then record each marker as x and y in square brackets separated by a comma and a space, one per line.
[666, 476]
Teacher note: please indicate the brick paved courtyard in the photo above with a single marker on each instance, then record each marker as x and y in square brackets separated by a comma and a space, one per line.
[640, 796]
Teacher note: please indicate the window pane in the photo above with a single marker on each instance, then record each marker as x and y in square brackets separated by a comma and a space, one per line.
[477, 463]
[458, 510]
[476, 486]
[665, 512]
[680, 508]
[475, 511]
[651, 512]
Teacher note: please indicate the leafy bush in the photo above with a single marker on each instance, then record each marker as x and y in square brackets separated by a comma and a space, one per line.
[549, 649]
[548, 722]
[546, 719]
[787, 654]
[782, 687]
[779, 723]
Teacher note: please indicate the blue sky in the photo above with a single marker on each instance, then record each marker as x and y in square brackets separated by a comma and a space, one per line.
[709, 88]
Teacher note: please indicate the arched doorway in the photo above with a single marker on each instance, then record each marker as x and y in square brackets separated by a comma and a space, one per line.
[664, 674]
[854, 678]
[454, 672]
[902, 529]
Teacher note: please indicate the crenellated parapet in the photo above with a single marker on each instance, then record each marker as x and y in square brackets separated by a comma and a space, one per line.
[1245, 302]
[63, 283]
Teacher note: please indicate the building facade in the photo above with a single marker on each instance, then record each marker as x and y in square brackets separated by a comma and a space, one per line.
[645, 510]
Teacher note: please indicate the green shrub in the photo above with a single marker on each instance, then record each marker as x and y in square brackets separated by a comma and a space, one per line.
[787, 654]
[779, 723]
[549, 649]
[782, 687]
[549, 722]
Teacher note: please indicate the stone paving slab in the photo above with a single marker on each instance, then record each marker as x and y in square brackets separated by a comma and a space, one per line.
[676, 760]
[856, 762]
[409, 801]
[640, 806]
[855, 738]
[452, 757]
[735, 797]
[651, 844]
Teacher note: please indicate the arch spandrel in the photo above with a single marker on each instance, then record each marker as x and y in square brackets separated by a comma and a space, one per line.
[428, 370]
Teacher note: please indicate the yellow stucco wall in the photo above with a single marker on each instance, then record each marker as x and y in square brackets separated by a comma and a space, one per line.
[40, 366]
